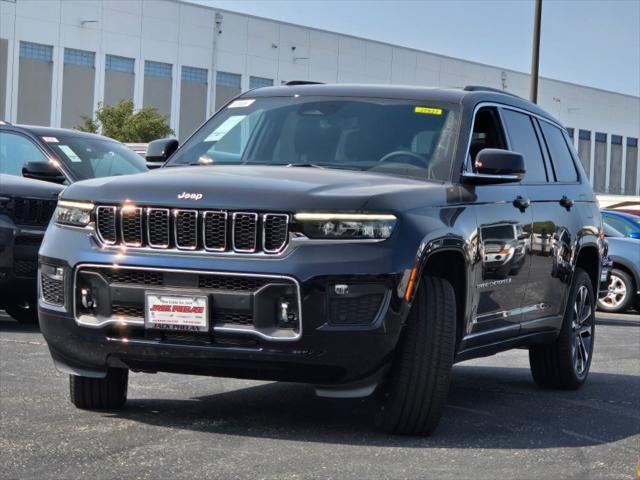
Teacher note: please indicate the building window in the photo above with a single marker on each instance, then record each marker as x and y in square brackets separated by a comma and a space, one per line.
[225, 79]
[193, 74]
[120, 64]
[258, 82]
[157, 69]
[571, 132]
[616, 139]
[79, 57]
[601, 137]
[36, 51]
[584, 135]
[632, 142]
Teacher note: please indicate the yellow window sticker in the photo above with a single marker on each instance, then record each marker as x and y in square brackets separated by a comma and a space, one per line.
[428, 110]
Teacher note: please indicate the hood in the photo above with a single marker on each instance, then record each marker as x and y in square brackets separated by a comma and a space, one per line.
[254, 187]
[13, 186]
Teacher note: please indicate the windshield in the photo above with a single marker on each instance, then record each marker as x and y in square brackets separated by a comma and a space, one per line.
[391, 136]
[94, 157]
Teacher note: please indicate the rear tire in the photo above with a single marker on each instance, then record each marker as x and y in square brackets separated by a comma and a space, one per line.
[565, 363]
[22, 312]
[621, 294]
[108, 393]
[412, 400]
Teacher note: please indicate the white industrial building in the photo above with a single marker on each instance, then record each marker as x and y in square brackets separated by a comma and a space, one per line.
[60, 58]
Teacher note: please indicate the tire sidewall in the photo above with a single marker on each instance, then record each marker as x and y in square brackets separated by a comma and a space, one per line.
[581, 278]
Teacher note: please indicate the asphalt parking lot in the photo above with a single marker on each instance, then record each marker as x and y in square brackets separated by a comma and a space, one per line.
[497, 423]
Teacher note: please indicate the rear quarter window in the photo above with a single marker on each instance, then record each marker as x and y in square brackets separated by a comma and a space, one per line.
[561, 158]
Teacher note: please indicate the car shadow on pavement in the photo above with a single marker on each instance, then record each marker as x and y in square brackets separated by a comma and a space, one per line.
[8, 324]
[488, 408]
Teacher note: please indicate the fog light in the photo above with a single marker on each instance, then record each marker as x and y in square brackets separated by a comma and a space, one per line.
[286, 315]
[87, 300]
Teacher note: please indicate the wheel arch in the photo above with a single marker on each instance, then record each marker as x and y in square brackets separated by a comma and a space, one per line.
[448, 259]
[588, 259]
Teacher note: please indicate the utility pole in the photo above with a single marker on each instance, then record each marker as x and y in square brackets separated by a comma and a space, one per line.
[535, 52]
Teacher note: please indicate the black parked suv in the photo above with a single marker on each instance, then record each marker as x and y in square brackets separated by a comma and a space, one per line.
[332, 235]
[35, 162]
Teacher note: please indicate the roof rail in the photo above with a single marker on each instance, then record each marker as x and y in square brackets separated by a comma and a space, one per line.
[293, 83]
[480, 88]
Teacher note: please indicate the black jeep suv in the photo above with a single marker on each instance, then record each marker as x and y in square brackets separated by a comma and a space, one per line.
[34, 162]
[333, 235]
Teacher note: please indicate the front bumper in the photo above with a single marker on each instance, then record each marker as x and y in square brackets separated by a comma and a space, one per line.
[320, 351]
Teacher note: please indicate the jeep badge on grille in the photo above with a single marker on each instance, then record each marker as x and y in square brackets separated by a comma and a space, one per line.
[189, 196]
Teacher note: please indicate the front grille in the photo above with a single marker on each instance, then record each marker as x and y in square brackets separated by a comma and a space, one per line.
[25, 268]
[52, 290]
[355, 311]
[32, 211]
[208, 230]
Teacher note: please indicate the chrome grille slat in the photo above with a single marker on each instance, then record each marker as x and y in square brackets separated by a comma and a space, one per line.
[174, 229]
[106, 223]
[131, 226]
[274, 232]
[244, 232]
[214, 231]
[158, 232]
[185, 229]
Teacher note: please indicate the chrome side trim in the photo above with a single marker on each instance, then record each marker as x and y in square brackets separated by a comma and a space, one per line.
[233, 232]
[264, 237]
[204, 230]
[115, 223]
[168, 214]
[249, 331]
[176, 212]
[138, 210]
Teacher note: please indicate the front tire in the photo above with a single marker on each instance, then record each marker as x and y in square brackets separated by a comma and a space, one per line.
[108, 393]
[412, 400]
[620, 295]
[565, 363]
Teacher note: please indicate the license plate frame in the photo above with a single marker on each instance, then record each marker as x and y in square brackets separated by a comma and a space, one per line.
[172, 312]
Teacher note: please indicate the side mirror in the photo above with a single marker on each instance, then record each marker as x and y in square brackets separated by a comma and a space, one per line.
[493, 165]
[159, 151]
[43, 171]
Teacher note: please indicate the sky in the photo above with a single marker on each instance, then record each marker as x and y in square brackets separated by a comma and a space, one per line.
[589, 42]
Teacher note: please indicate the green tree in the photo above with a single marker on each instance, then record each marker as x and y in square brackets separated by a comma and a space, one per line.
[121, 123]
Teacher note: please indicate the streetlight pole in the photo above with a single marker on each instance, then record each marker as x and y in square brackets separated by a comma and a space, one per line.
[535, 53]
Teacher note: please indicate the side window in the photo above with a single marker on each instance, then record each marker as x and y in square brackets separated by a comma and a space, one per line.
[561, 158]
[15, 151]
[525, 141]
[619, 225]
[487, 132]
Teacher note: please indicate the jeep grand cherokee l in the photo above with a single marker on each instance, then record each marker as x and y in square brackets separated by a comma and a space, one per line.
[332, 235]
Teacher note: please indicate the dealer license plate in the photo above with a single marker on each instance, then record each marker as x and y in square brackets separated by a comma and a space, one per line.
[185, 313]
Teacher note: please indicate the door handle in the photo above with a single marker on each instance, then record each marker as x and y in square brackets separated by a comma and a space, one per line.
[566, 202]
[521, 203]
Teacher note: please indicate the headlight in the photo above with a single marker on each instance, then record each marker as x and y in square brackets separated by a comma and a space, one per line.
[77, 214]
[347, 226]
